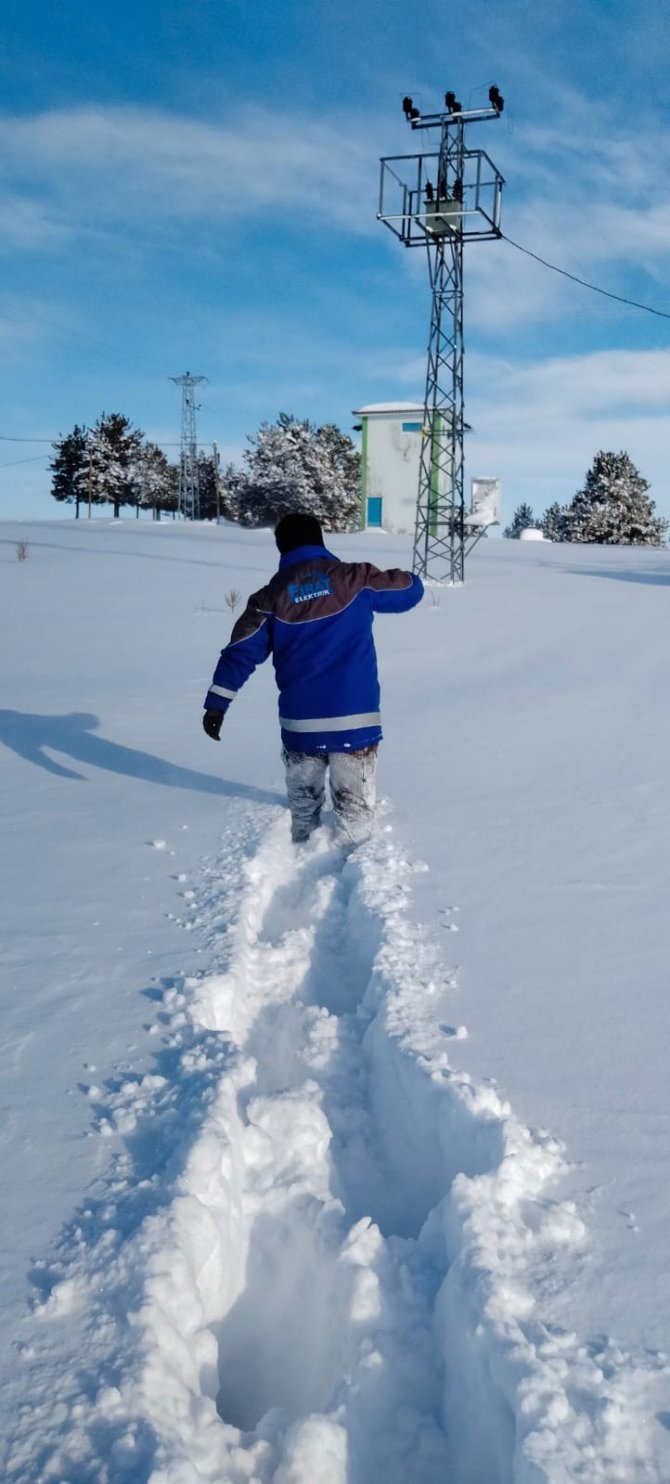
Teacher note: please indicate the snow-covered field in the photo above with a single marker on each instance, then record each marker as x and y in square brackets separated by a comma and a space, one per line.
[322, 1170]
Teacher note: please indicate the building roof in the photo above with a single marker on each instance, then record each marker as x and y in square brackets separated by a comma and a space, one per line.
[386, 407]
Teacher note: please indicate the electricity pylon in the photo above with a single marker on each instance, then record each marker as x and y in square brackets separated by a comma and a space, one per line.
[441, 200]
[189, 479]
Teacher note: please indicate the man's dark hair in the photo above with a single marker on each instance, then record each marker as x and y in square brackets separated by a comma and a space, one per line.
[297, 529]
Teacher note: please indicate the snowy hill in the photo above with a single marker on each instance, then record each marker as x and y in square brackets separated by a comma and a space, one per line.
[318, 1171]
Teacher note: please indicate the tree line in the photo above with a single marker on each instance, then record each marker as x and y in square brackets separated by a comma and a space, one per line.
[613, 508]
[287, 464]
[112, 464]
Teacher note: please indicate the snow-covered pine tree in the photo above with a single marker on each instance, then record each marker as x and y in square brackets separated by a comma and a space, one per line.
[338, 493]
[522, 520]
[613, 508]
[157, 481]
[233, 494]
[69, 468]
[210, 507]
[294, 465]
[115, 451]
[552, 524]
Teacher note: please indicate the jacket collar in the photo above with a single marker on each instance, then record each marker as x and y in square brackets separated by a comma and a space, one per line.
[304, 554]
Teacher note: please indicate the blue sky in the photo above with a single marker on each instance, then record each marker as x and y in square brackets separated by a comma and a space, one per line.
[193, 187]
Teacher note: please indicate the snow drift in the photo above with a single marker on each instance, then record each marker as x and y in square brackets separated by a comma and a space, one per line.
[311, 1259]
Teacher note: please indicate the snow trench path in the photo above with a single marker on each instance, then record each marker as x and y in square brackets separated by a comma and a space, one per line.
[311, 1258]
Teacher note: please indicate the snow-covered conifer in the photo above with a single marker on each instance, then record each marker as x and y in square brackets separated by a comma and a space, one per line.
[115, 451]
[337, 496]
[210, 506]
[233, 494]
[613, 508]
[552, 524]
[156, 480]
[69, 467]
[292, 464]
[522, 520]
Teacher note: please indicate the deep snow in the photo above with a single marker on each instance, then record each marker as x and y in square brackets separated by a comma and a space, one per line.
[279, 1222]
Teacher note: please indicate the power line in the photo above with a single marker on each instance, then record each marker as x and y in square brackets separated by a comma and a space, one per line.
[36, 458]
[594, 287]
[8, 438]
[14, 314]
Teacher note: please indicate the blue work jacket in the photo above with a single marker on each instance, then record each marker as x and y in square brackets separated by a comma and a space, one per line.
[315, 618]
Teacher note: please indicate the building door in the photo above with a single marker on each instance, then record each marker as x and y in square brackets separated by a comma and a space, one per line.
[374, 510]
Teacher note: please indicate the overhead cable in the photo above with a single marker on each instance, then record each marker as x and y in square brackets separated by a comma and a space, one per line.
[594, 287]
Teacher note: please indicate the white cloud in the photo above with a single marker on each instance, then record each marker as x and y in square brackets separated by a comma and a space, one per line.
[25, 224]
[22, 328]
[176, 167]
[582, 385]
[539, 426]
[587, 196]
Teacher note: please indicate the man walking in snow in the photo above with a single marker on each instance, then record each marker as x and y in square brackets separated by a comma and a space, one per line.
[315, 618]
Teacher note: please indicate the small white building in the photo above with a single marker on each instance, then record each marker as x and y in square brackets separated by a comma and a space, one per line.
[391, 434]
[391, 439]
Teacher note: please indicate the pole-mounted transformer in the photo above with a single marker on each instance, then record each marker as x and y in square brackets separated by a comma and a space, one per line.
[440, 200]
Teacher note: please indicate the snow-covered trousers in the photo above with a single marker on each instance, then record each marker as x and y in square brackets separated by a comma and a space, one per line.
[352, 788]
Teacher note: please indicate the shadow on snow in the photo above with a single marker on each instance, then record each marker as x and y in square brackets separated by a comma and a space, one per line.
[28, 734]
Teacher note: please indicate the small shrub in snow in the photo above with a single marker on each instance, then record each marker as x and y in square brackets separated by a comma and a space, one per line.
[22, 549]
[233, 599]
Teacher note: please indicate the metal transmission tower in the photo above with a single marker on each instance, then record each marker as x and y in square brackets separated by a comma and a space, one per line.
[189, 480]
[441, 200]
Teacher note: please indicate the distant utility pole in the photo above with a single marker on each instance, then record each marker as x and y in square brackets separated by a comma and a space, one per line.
[89, 483]
[189, 480]
[217, 479]
[441, 200]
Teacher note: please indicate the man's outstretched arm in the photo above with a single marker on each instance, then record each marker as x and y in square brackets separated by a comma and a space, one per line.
[394, 591]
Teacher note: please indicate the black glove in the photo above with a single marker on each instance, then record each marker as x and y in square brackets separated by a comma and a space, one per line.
[212, 723]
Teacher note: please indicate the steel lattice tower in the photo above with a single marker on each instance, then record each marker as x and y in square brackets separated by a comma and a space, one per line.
[460, 203]
[189, 480]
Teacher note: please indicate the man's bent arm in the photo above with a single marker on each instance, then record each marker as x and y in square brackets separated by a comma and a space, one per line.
[249, 646]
